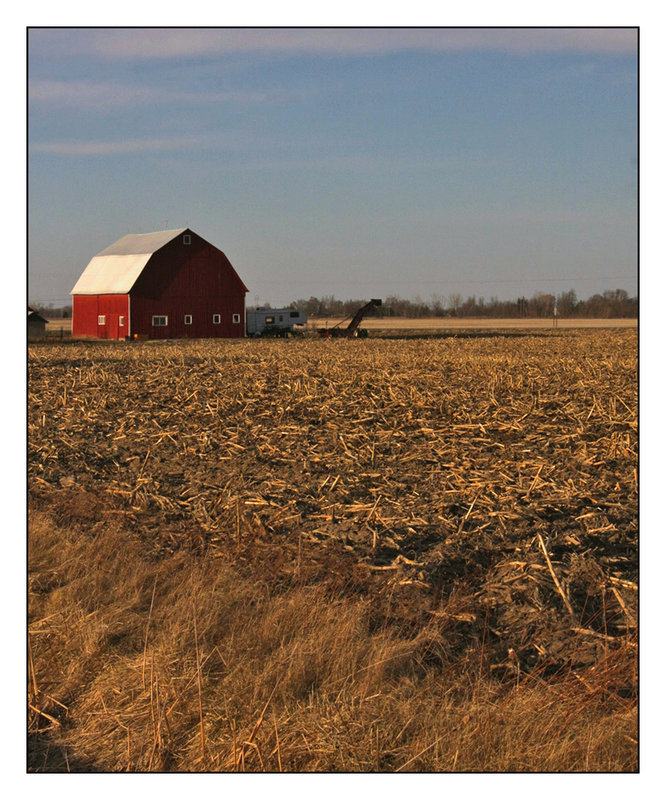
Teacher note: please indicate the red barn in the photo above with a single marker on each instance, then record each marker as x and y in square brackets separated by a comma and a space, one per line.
[164, 285]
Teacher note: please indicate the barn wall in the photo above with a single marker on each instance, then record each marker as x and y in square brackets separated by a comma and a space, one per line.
[196, 280]
[84, 315]
[86, 310]
[115, 308]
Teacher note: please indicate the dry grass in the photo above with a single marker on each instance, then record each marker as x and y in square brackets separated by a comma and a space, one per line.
[126, 649]
[334, 556]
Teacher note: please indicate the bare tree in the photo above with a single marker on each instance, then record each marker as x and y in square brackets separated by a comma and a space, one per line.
[455, 301]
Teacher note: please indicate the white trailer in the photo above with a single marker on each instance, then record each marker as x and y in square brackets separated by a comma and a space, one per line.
[273, 321]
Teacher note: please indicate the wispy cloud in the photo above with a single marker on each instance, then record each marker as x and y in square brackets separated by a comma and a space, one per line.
[142, 44]
[123, 147]
[243, 161]
[101, 96]
[86, 93]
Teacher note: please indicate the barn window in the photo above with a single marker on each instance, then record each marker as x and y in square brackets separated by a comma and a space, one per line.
[188, 319]
[121, 321]
[216, 319]
[160, 321]
[101, 319]
[293, 314]
[270, 320]
[235, 318]
[187, 239]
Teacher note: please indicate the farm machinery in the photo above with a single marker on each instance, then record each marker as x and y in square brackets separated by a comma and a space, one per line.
[352, 330]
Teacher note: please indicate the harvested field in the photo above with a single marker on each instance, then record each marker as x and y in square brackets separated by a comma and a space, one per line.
[301, 555]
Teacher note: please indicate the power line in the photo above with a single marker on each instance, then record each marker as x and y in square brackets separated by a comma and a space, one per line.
[466, 281]
[519, 280]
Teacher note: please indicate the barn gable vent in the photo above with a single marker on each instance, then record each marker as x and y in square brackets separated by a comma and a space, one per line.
[187, 239]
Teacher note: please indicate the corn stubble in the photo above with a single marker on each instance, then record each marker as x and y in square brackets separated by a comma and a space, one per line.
[386, 555]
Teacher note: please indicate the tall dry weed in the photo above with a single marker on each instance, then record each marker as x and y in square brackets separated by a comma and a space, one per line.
[182, 664]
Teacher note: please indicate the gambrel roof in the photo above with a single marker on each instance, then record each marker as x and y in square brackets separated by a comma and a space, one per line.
[115, 269]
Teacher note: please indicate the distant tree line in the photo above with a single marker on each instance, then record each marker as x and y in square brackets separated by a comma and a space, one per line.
[52, 312]
[612, 303]
[615, 303]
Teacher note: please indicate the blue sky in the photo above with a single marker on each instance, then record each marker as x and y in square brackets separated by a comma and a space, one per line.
[352, 162]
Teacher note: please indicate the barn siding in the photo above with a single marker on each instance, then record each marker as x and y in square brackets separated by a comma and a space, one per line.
[87, 308]
[195, 279]
[84, 315]
[113, 306]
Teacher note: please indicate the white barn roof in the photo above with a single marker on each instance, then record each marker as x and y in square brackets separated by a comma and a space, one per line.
[115, 269]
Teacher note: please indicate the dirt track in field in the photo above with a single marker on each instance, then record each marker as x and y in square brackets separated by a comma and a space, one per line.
[439, 323]
[448, 323]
